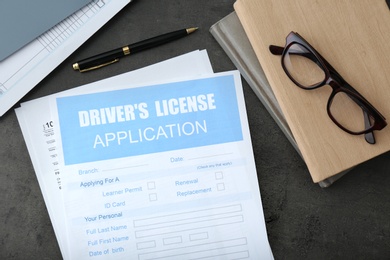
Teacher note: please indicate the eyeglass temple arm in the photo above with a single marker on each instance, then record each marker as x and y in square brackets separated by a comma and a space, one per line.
[277, 50]
[370, 135]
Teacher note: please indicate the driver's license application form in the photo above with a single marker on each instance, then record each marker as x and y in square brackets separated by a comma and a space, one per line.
[163, 171]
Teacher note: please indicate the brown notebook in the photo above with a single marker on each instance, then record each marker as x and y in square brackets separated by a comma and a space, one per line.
[354, 37]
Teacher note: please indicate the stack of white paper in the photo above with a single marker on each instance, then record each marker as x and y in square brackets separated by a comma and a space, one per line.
[131, 169]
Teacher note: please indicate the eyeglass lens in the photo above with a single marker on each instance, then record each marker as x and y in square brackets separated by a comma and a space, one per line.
[348, 113]
[303, 67]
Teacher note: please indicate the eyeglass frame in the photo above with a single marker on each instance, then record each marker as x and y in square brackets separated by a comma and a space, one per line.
[338, 84]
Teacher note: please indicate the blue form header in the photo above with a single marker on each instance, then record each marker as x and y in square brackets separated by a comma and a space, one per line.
[151, 119]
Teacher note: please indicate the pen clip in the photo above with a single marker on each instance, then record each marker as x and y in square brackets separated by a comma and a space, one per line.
[99, 66]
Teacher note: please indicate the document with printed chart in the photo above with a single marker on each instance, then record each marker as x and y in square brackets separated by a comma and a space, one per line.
[24, 69]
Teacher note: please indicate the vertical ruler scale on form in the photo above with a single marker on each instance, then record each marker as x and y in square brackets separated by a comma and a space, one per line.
[62, 31]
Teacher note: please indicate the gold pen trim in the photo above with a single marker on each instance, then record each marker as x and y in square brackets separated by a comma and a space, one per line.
[126, 50]
[191, 30]
[76, 66]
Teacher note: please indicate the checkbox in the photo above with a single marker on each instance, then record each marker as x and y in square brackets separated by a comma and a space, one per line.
[152, 196]
[220, 186]
[151, 185]
[218, 175]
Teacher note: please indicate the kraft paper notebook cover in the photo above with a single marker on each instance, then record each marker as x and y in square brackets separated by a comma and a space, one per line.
[353, 37]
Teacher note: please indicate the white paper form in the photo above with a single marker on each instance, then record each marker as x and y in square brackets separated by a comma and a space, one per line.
[164, 171]
[21, 71]
[38, 128]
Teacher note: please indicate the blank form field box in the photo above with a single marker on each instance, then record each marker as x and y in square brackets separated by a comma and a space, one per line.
[152, 196]
[220, 186]
[151, 185]
[172, 240]
[199, 236]
[218, 175]
[146, 245]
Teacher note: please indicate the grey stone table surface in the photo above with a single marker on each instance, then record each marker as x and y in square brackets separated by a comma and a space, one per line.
[348, 220]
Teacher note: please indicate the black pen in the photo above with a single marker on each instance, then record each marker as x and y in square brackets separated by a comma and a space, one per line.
[112, 56]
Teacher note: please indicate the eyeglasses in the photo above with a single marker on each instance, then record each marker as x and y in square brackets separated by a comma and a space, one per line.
[309, 70]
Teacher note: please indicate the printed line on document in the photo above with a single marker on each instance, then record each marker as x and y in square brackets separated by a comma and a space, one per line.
[210, 156]
[128, 167]
[21, 68]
